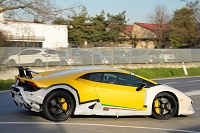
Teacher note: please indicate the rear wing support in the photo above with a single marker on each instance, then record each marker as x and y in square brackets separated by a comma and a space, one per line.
[25, 72]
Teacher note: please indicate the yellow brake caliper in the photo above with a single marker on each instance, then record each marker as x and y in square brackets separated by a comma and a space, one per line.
[156, 106]
[64, 105]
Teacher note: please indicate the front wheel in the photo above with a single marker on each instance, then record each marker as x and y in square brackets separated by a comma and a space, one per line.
[164, 106]
[58, 106]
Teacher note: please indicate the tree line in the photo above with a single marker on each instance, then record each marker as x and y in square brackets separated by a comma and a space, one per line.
[99, 30]
[183, 27]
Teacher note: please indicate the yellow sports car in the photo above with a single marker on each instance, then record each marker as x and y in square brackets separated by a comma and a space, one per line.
[96, 91]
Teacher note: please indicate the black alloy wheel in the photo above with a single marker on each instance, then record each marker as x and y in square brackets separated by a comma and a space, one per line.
[164, 106]
[11, 63]
[58, 106]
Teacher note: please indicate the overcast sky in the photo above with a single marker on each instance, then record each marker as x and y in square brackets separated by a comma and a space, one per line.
[136, 10]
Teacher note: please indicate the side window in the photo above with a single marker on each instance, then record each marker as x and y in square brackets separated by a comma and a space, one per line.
[149, 84]
[35, 51]
[93, 76]
[30, 52]
[24, 52]
[50, 51]
[109, 78]
[128, 80]
[121, 79]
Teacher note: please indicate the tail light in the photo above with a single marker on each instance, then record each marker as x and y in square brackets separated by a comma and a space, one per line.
[32, 85]
[46, 55]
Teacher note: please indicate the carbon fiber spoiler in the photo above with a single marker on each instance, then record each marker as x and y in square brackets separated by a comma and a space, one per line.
[25, 72]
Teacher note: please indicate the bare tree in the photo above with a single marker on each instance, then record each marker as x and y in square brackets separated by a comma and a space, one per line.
[160, 18]
[195, 6]
[40, 9]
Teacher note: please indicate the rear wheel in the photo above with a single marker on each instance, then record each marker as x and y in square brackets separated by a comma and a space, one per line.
[11, 63]
[58, 106]
[164, 106]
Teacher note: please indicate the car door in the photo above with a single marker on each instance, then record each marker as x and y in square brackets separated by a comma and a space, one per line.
[27, 56]
[118, 90]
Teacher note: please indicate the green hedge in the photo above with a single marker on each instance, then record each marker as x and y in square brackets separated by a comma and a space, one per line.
[154, 73]
[5, 84]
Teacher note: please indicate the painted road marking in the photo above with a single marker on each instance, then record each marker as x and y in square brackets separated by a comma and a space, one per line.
[5, 91]
[100, 125]
[187, 81]
[192, 93]
[171, 83]
[194, 81]
[178, 77]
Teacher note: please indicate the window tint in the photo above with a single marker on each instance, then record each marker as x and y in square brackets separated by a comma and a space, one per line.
[26, 52]
[50, 51]
[35, 51]
[148, 84]
[30, 52]
[93, 77]
[116, 78]
[121, 79]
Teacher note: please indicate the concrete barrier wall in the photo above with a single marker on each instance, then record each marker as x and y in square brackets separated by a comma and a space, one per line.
[9, 73]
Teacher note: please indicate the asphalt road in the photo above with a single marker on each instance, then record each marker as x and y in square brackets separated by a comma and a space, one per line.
[14, 119]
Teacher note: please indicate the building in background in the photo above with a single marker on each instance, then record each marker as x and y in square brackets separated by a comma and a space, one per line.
[146, 34]
[30, 34]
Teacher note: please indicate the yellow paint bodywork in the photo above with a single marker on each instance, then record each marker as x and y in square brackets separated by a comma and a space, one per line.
[108, 94]
[121, 96]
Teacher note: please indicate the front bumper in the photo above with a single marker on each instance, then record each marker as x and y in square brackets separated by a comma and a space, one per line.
[185, 105]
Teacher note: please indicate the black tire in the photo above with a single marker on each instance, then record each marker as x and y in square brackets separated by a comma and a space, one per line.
[38, 63]
[11, 63]
[164, 106]
[58, 106]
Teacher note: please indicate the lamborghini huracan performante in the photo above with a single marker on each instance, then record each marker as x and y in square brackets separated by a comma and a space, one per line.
[96, 90]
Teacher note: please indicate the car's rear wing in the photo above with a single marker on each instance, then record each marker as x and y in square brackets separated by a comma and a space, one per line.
[25, 72]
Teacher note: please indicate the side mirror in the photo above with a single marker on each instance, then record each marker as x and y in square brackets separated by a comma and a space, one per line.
[141, 86]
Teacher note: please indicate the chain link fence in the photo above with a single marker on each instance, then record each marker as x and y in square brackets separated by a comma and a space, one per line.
[24, 56]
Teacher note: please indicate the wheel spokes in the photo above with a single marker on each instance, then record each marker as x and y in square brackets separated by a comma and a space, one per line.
[58, 106]
[164, 107]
